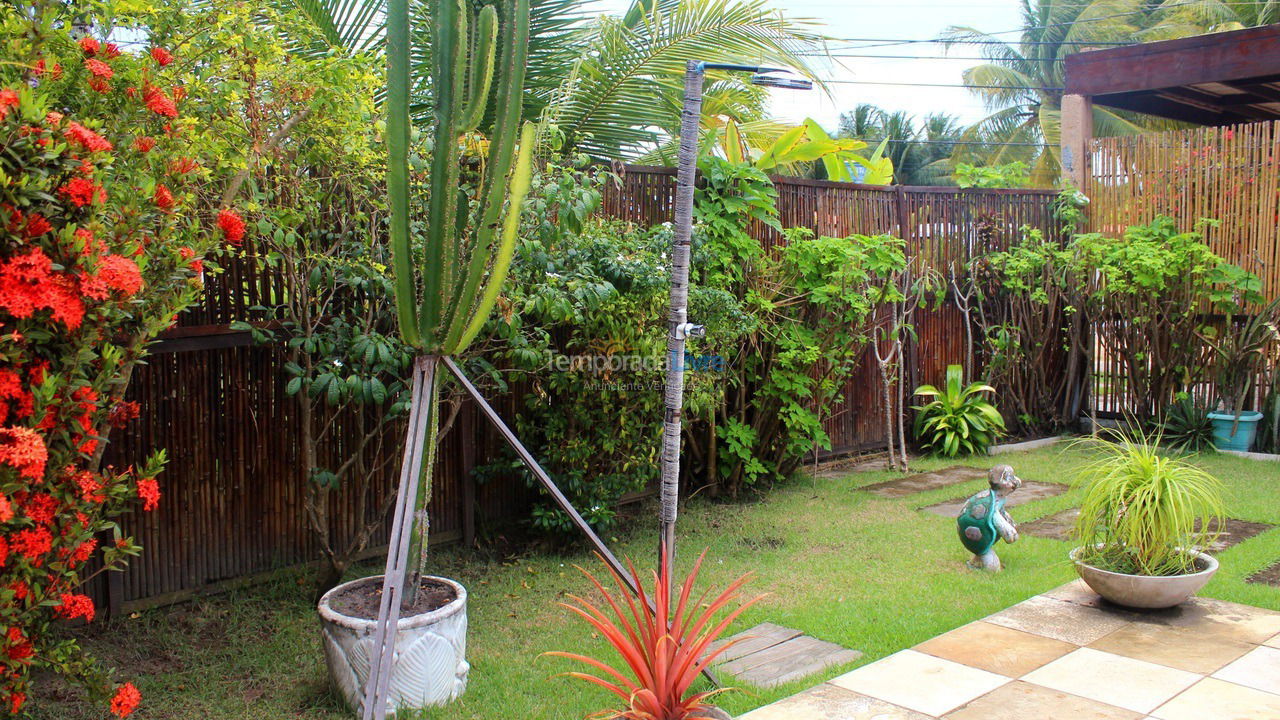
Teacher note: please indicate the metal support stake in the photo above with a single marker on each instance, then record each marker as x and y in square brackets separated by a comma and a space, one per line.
[384, 636]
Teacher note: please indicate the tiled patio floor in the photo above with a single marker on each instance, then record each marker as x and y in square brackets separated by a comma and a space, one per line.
[1066, 654]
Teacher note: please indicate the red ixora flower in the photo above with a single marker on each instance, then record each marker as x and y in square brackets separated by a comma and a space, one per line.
[162, 197]
[82, 191]
[123, 412]
[36, 226]
[149, 493]
[100, 85]
[112, 50]
[159, 103]
[99, 68]
[90, 46]
[126, 700]
[161, 56]
[86, 138]
[32, 543]
[6, 509]
[27, 285]
[182, 166]
[144, 144]
[232, 226]
[8, 99]
[74, 606]
[120, 274]
[23, 449]
[39, 69]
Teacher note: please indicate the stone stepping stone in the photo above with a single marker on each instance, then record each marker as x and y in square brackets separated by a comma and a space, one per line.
[1030, 491]
[769, 655]
[1234, 532]
[1060, 525]
[1269, 575]
[1057, 526]
[913, 484]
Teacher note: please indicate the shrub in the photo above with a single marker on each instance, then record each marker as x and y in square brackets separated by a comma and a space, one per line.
[583, 327]
[958, 420]
[100, 250]
[807, 310]
[1141, 509]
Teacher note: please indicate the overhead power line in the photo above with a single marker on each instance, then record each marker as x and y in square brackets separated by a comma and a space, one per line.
[943, 85]
[1050, 26]
[922, 57]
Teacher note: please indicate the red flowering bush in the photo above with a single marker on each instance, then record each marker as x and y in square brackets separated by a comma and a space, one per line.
[99, 250]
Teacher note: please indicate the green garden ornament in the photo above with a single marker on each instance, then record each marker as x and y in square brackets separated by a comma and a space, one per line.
[984, 521]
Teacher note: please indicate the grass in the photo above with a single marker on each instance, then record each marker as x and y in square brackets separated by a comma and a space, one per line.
[842, 565]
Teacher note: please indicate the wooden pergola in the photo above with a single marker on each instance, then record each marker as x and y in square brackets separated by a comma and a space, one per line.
[1217, 79]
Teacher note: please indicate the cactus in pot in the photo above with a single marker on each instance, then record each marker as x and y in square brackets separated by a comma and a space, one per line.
[445, 285]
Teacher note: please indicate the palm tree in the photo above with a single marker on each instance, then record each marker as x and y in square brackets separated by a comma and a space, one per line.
[610, 85]
[622, 94]
[1021, 84]
[920, 150]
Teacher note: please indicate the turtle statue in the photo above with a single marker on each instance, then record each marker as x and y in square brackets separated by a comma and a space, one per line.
[983, 521]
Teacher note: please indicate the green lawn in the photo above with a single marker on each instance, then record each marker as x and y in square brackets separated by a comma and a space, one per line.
[842, 565]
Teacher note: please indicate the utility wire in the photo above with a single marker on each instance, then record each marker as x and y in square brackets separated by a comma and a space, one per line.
[944, 85]
[1070, 23]
[923, 57]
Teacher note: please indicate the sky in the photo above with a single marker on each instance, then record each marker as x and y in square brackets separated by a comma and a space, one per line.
[889, 19]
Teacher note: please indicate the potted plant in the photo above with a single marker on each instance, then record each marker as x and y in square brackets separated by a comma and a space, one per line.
[663, 646]
[1141, 521]
[958, 420]
[1238, 356]
[398, 641]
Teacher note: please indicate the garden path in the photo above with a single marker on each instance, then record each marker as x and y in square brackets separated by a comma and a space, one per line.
[1067, 653]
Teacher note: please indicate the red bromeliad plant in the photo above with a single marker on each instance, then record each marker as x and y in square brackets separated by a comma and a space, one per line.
[664, 649]
[98, 252]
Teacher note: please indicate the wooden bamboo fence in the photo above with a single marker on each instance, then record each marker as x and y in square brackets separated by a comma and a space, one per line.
[232, 507]
[1227, 174]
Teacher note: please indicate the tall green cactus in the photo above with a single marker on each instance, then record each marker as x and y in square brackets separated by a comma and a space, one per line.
[444, 303]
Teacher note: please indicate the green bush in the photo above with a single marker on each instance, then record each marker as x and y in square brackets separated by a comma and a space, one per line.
[807, 308]
[958, 420]
[583, 324]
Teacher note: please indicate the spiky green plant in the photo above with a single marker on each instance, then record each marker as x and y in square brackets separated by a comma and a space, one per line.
[446, 290]
[1142, 509]
[958, 420]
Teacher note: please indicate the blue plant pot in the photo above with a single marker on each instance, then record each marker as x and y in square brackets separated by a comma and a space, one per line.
[1242, 439]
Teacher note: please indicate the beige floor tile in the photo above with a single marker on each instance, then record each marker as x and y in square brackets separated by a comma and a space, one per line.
[1228, 620]
[1273, 642]
[920, 682]
[1260, 669]
[828, 702]
[1076, 592]
[1213, 699]
[1058, 619]
[1113, 679]
[1186, 648]
[1024, 701]
[996, 648]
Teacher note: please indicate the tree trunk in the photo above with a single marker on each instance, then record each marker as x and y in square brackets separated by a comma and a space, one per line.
[686, 175]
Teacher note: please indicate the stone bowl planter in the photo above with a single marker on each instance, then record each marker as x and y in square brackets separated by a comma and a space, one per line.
[430, 666]
[1147, 591]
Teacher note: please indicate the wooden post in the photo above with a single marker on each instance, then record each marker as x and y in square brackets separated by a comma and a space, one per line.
[1077, 137]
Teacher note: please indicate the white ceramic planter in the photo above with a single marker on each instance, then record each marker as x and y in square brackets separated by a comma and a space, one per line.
[430, 666]
[1146, 591]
